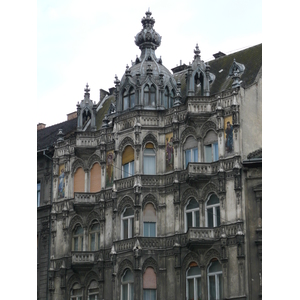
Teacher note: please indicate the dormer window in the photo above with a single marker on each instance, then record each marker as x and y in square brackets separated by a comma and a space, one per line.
[199, 84]
[128, 98]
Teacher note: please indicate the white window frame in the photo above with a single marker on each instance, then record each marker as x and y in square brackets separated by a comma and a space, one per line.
[193, 211]
[130, 167]
[192, 156]
[195, 277]
[130, 286]
[130, 224]
[217, 281]
[80, 239]
[149, 155]
[214, 207]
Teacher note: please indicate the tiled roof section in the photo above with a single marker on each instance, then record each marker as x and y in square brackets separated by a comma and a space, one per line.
[255, 154]
[251, 58]
[47, 136]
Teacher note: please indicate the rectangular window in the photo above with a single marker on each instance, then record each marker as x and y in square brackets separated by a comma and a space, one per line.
[149, 229]
[210, 217]
[191, 155]
[38, 194]
[207, 153]
[211, 152]
[149, 165]
[128, 169]
[149, 295]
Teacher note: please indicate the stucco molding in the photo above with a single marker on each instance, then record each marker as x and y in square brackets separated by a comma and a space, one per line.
[150, 199]
[127, 141]
[94, 158]
[207, 126]
[125, 264]
[125, 202]
[188, 194]
[91, 217]
[75, 220]
[90, 276]
[78, 163]
[189, 131]
[150, 262]
[190, 257]
[150, 137]
[209, 188]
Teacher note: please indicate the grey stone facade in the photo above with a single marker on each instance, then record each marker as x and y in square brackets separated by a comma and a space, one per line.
[202, 191]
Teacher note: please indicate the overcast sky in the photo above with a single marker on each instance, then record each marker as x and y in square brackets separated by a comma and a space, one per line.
[81, 42]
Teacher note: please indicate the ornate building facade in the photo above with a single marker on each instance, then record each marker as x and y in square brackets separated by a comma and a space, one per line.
[155, 191]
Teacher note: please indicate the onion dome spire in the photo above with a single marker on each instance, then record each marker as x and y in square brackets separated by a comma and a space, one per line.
[148, 37]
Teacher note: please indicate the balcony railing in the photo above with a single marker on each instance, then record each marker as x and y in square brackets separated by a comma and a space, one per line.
[83, 257]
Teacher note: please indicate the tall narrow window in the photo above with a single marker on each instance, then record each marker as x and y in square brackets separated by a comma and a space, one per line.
[193, 282]
[212, 211]
[78, 238]
[127, 290]
[149, 218]
[127, 218]
[211, 150]
[131, 97]
[192, 214]
[93, 291]
[146, 96]
[38, 193]
[94, 237]
[215, 284]
[128, 162]
[125, 100]
[152, 96]
[76, 292]
[190, 150]
[149, 160]
[95, 180]
[171, 99]
[149, 284]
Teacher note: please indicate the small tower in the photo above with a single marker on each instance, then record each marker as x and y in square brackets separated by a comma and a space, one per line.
[86, 112]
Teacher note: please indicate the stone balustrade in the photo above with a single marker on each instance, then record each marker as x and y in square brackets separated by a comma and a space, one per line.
[85, 198]
[83, 257]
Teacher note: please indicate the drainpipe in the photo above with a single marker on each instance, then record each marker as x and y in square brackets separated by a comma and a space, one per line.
[47, 292]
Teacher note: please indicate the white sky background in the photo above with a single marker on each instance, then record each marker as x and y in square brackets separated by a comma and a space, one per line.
[81, 42]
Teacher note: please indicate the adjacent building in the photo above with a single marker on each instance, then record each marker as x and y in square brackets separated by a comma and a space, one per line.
[155, 190]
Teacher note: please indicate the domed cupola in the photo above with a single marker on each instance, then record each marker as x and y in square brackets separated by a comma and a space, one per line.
[147, 84]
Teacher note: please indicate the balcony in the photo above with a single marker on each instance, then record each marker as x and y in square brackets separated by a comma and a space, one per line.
[83, 260]
[85, 201]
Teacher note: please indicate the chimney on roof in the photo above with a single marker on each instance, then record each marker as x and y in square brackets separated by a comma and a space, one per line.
[72, 115]
[41, 126]
[219, 54]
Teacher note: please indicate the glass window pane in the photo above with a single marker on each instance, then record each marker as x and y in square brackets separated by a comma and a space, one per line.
[132, 226]
[149, 165]
[152, 95]
[216, 151]
[199, 288]
[125, 229]
[207, 153]
[93, 241]
[189, 220]
[193, 271]
[220, 286]
[187, 157]
[127, 277]
[132, 98]
[126, 102]
[192, 204]
[213, 200]
[126, 170]
[152, 229]
[218, 216]
[124, 292]
[210, 222]
[128, 212]
[195, 153]
[191, 289]
[197, 219]
[76, 244]
[212, 287]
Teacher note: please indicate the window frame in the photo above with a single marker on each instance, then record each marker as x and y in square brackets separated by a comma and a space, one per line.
[192, 150]
[130, 226]
[215, 213]
[195, 283]
[213, 156]
[38, 193]
[79, 237]
[193, 211]
[149, 155]
[130, 168]
[97, 236]
[130, 286]
[217, 275]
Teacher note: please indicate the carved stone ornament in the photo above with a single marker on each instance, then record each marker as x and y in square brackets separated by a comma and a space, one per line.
[125, 142]
[126, 201]
[189, 193]
[210, 254]
[125, 264]
[208, 189]
[150, 199]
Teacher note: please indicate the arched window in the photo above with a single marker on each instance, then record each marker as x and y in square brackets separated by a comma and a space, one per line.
[127, 290]
[149, 160]
[149, 218]
[131, 97]
[211, 150]
[192, 215]
[212, 211]
[94, 236]
[215, 284]
[93, 291]
[149, 95]
[128, 162]
[199, 88]
[190, 150]
[149, 284]
[193, 282]
[79, 181]
[78, 238]
[127, 223]
[125, 100]
[95, 179]
[76, 292]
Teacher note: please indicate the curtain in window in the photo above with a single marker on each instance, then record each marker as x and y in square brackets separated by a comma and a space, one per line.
[149, 162]
[79, 181]
[149, 229]
[152, 96]
[216, 151]
[207, 153]
[95, 180]
[125, 100]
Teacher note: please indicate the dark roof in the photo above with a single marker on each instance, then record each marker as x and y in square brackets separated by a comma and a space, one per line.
[251, 58]
[47, 136]
[103, 111]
